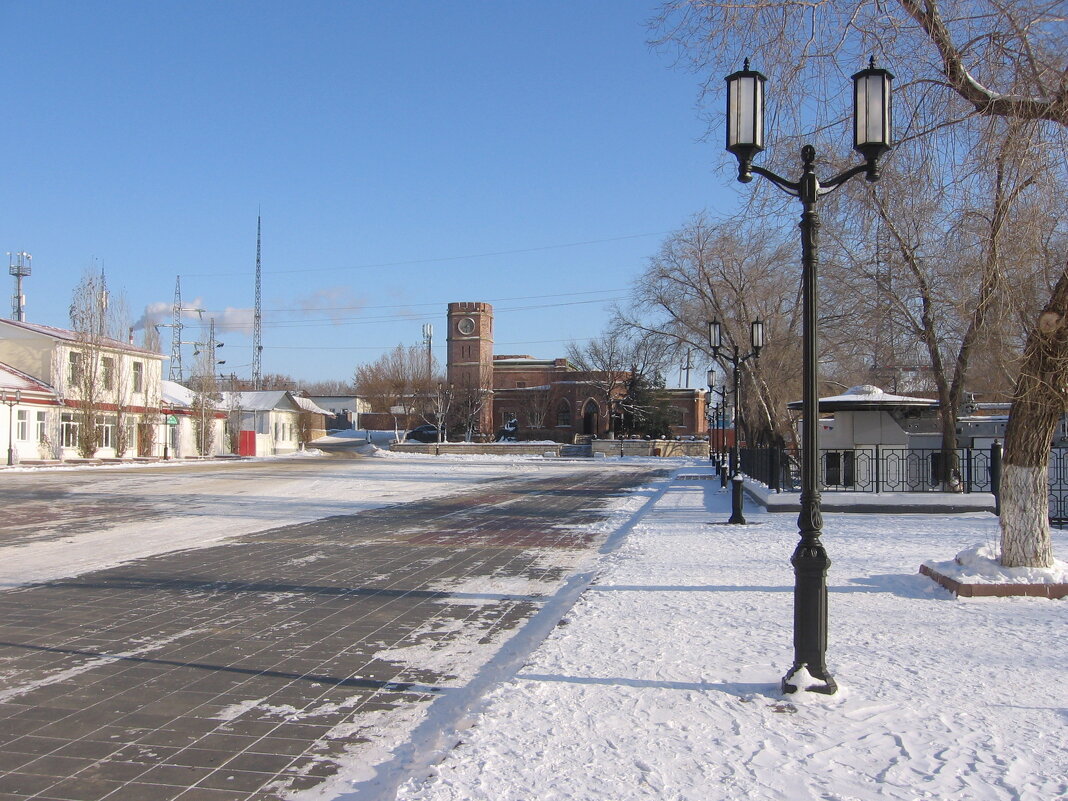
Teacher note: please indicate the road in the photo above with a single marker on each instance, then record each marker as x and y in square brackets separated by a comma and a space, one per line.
[304, 634]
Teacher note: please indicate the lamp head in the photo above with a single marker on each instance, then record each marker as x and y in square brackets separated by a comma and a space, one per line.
[745, 117]
[872, 115]
[756, 336]
[715, 336]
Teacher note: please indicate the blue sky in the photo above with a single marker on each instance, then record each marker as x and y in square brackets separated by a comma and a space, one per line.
[403, 155]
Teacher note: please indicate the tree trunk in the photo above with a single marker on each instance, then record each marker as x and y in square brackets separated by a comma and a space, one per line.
[950, 468]
[1037, 405]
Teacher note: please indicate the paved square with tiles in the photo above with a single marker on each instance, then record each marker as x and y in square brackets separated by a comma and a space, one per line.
[245, 670]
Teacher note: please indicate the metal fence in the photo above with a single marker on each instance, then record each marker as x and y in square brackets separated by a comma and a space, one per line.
[1058, 487]
[885, 469]
[888, 469]
[872, 469]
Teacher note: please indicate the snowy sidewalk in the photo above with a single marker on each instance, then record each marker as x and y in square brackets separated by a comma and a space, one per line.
[664, 681]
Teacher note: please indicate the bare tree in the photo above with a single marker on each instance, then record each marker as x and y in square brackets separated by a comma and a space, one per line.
[443, 399]
[86, 370]
[954, 246]
[733, 271]
[207, 398]
[399, 380]
[604, 363]
[469, 401]
[957, 62]
[115, 374]
[330, 386]
[305, 427]
[534, 404]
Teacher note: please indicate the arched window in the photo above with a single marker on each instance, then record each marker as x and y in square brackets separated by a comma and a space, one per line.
[591, 413]
[563, 414]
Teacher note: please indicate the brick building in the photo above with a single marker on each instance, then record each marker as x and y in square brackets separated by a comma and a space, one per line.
[539, 393]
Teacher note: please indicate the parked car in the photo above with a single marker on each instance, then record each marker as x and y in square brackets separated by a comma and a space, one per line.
[427, 433]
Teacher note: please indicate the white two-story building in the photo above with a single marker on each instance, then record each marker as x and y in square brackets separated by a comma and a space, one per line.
[46, 365]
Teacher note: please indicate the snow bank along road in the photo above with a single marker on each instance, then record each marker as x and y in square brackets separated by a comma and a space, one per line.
[237, 632]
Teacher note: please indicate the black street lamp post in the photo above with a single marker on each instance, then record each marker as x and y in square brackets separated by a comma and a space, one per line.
[871, 138]
[712, 412]
[11, 401]
[736, 360]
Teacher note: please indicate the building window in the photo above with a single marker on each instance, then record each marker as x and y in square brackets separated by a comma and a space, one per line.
[42, 426]
[107, 372]
[68, 430]
[74, 368]
[520, 384]
[563, 414]
[22, 426]
[106, 428]
[138, 377]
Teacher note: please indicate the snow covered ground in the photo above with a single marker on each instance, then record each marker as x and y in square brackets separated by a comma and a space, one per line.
[663, 682]
[193, 509]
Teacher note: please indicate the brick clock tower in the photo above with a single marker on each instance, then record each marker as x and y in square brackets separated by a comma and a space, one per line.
[469, 363]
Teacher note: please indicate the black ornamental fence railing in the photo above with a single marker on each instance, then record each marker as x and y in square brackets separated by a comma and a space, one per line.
[894, 469]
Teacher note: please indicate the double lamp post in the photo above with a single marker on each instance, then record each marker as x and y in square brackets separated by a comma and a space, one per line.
[871, 138]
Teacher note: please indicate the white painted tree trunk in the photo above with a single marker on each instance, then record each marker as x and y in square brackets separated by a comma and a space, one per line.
[1025, 533]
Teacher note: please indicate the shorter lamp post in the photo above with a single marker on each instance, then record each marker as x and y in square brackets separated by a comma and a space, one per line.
[871, 139]
[713, 411]
[726, 419]
[735, 359]
[11, 401]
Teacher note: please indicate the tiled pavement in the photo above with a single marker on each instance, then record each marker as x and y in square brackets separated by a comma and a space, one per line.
[244, 670]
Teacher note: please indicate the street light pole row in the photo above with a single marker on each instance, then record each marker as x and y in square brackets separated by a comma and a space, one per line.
[872, 123]
[712, 411]
[736, 360]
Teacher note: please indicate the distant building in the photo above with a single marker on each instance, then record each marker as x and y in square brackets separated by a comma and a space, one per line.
[539, 393]
[345, 410]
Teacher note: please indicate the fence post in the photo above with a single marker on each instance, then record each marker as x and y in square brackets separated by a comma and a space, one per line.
[995, 475]
[775, 469]
[968, 470]
[878, 469]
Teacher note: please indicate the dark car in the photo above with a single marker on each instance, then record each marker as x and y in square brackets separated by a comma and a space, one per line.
[425, 433]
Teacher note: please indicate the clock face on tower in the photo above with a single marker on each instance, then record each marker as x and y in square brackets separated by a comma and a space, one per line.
[466, 326]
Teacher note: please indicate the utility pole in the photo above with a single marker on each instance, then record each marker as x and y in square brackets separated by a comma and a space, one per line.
[687, 367]
[19, 266]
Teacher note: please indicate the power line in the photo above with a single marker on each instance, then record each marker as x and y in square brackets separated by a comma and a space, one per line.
[320, 322]
[441, 303]
[440, 347]
[439, 259]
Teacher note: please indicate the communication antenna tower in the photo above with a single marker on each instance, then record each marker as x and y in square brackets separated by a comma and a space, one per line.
[19, 266]
[428, 340]
[257, 321]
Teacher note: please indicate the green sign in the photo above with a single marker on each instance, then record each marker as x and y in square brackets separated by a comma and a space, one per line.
[172, 420]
